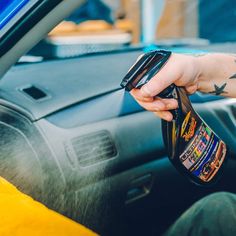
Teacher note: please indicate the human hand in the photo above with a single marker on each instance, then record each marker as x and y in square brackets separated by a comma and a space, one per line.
[182, 70]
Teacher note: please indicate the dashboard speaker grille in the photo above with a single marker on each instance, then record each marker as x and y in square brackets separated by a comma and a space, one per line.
[93, 148]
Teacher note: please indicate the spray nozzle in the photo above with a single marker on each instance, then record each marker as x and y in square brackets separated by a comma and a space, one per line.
[144, 69]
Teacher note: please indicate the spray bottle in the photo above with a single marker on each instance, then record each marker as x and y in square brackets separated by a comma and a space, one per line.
[193, 148]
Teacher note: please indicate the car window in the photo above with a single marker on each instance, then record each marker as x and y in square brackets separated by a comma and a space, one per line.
[105, 25]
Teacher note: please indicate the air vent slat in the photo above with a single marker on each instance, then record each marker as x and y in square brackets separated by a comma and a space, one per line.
[98, 154]
[94, 154]
[89, 148]
[92, 140]
[94, 148]
[90, 161]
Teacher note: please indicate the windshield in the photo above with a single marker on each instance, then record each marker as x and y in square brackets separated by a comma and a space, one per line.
[105, 25]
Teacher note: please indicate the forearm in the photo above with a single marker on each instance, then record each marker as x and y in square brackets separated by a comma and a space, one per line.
[217, 74]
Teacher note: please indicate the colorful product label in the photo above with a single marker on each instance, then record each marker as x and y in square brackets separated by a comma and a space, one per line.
[204, 152]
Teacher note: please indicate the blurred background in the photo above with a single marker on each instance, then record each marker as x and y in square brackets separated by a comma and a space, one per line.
[104, 25]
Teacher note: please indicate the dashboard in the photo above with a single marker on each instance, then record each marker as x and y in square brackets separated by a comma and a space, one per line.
[78, 143]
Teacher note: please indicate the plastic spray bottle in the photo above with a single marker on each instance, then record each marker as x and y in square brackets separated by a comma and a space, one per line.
[193, 148]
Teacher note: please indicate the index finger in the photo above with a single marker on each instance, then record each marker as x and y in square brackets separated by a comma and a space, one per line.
[165, 77]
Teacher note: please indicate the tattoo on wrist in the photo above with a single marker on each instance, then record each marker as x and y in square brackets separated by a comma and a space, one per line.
[233, 76]
[219, 89]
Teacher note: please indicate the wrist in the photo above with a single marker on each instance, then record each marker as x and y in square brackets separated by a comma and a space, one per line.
[201, 76]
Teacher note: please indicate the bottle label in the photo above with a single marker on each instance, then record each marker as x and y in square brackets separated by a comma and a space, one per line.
[204, 152]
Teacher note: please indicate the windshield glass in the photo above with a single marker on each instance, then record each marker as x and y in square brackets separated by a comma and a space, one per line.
[105, 25]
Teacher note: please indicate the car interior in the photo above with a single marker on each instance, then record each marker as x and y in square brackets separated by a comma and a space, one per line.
[74, 140]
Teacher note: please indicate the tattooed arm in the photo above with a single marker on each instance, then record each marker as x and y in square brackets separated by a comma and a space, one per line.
[217, 74]
[210, 73]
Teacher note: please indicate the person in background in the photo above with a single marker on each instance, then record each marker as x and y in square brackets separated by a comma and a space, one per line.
[211, 73]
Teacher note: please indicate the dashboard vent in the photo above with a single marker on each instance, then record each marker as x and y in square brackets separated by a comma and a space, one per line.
[93, 148]
[34, 93]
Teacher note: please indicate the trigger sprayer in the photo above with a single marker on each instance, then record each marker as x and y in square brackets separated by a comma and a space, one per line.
[193, 148]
